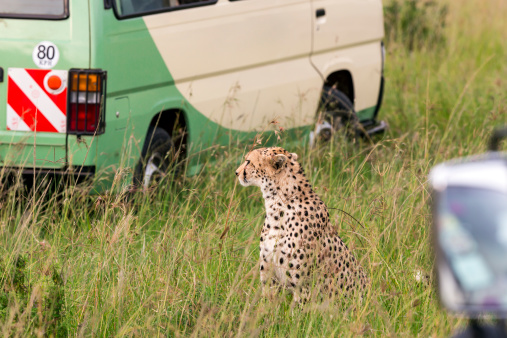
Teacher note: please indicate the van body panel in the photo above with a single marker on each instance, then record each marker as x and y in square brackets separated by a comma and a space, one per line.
[139, 86]
[254, 69]
[18, 38]
[348, 37]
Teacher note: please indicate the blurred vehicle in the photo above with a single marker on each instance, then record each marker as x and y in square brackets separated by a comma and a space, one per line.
[470, 229]
[91, 86]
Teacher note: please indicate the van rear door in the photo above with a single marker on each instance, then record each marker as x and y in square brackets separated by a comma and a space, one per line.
[40, 40]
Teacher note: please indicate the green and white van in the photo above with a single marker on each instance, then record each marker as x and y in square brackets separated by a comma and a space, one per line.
[91, 87]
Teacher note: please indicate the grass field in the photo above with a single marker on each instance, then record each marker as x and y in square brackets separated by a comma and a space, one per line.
[183, 262]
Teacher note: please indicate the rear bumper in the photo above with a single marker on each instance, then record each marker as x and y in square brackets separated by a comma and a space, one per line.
[376, 128]
[47, 151]
[85, 171]
[72, 175]
[17, 150]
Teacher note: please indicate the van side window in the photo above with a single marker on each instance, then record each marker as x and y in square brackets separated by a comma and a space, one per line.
[130, 8]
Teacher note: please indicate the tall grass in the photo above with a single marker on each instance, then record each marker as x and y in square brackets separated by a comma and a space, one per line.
[183, 260]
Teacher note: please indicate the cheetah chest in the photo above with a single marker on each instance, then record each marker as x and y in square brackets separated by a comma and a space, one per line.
[273, 252]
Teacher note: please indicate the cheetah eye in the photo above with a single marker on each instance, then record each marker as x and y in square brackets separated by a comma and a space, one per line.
[247, 162]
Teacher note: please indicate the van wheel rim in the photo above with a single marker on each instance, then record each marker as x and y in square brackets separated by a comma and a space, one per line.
[152, 169]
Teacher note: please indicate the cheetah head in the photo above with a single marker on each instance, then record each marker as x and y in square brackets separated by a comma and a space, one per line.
[265, 165]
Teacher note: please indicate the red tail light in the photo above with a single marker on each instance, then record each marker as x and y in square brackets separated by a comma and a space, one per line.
[86, 111]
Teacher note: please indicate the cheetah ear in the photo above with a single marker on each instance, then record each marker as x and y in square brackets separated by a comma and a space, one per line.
[294, 156]
[278, 161]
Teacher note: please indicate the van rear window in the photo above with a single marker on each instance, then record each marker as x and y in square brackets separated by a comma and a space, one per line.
[34, 9]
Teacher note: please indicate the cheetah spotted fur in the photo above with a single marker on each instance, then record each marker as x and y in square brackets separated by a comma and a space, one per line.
[297, 238]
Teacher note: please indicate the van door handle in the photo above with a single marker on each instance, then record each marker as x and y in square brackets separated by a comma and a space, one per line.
[320, 12]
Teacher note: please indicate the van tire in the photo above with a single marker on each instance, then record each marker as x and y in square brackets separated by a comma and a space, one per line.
[338, 111]
[157, 158]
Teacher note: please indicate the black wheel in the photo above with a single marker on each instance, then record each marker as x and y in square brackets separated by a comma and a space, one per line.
[336, 114]
[157, 158]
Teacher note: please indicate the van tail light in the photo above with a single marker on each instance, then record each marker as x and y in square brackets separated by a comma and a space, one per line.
[86, 102]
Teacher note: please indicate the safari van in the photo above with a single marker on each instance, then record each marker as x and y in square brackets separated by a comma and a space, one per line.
[90, 88]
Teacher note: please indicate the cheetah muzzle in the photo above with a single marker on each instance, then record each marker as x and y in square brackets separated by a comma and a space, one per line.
[297, 241]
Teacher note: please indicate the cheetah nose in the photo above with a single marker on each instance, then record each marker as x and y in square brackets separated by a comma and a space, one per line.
[237, 173]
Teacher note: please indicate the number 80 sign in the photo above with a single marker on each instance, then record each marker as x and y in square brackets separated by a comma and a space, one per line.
[45, 55]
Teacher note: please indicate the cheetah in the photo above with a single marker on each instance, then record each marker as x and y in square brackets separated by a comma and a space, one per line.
[297, 238]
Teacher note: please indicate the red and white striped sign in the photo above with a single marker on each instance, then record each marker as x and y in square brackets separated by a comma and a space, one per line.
[32, 105]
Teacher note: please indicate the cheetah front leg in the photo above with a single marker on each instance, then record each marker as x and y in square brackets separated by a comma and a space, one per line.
[297, 274]
[301, 294]
[268, 278]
